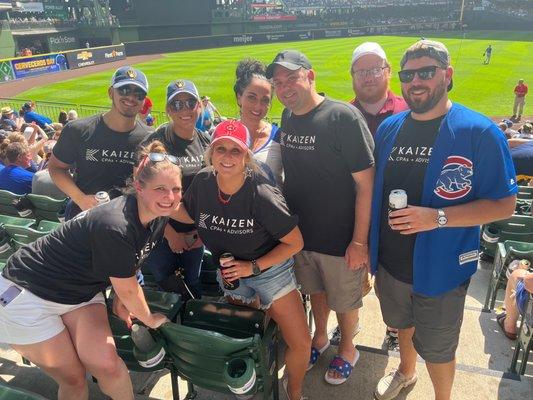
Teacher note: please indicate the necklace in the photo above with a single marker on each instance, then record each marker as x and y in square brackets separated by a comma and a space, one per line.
[222, 199]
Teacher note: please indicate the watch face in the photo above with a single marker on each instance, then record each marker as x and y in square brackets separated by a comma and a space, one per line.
[442, 220]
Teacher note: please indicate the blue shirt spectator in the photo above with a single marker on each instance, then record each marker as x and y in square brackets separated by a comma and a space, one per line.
[14, 176]
[31, 116]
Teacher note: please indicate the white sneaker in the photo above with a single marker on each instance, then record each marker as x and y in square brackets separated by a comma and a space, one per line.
[392, 384]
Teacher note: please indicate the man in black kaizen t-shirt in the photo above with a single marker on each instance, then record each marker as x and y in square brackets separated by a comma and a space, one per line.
[327, 157]
[101, 148]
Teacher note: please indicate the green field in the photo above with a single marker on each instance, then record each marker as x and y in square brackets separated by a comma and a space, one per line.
[486, 88]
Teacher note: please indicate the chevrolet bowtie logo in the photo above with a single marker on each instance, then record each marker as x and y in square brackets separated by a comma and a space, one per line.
[84, 55]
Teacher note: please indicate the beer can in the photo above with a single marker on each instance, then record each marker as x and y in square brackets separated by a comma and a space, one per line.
[397, 199]
[225, 257]
[102, 197]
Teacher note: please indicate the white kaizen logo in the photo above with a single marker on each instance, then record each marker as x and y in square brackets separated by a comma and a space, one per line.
[203, 217]
[89, 154]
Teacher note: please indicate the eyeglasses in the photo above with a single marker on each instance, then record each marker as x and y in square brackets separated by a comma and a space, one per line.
[424, 73]
[124, 91]
[178, 105]
[373, 72]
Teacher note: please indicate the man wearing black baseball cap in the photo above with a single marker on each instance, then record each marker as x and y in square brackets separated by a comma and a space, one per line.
[455, 168]
[101, 148]
[326, 147]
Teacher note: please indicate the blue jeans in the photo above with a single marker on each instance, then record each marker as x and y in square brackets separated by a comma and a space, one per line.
[163, 262]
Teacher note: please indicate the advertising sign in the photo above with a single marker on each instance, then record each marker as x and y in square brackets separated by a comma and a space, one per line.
[94, 56]
[6, 71]
[32, 6]
[62, 42]
[38, 65]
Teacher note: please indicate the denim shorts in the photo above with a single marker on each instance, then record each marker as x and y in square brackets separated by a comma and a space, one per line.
[269, 286]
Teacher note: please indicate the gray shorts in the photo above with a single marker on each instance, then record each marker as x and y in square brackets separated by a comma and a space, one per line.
[318, 273]
[437, 320]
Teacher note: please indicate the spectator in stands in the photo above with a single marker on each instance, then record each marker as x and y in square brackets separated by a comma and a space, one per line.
[180, 247]
[72, 115]
[31, 116]
[15, 177]
[101, 148]
[519, 286]
[10, 121]
[204, 121]
[42, 182]
[254, 98]
[62, 117]
[233, 188]
[326, 149]
[58, 128]
[59, 320]
[371, 74]
[520, 92]
[146, 109]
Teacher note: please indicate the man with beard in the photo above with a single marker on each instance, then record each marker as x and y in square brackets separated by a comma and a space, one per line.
[101, 148]
[455, 167]
[371, 74]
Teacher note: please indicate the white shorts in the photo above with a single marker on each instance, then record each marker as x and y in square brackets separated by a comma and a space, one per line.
[28, 319]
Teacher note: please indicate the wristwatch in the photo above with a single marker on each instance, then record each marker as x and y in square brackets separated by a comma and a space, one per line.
[255, 268]
[442, 220]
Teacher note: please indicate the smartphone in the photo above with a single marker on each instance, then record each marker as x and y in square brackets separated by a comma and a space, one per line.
[190, 238]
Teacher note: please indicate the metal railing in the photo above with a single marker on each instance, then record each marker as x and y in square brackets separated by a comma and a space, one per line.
[51, 109]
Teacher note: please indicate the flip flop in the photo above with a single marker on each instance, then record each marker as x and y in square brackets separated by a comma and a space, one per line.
[501, 321]
[315, 353]
[343, 367]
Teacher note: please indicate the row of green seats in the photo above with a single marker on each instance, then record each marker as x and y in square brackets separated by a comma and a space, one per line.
[42, 207]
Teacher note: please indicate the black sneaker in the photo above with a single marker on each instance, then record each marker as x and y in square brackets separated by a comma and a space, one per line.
[335, 338]
[391, 340]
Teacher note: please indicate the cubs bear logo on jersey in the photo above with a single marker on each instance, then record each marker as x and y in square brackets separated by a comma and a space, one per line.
[454, 181]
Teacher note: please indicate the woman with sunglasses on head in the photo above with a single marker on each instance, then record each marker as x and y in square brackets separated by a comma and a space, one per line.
[238, 211]
[180, 247]
[254, 97]
[53, 311]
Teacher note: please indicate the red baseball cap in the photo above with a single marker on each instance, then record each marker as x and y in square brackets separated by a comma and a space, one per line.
[233, 130]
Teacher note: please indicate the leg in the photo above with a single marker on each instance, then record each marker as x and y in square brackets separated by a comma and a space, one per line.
[515, 106]
[511, 311]
[288, 312]
[89, 328]
[321, 311]
[57, 357]
[407, 352]
[521, 106]
[442, 375]
[191, 262]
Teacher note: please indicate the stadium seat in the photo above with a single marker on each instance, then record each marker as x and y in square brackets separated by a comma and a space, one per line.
[46, 207]
[17, 221]
[21, 235]
[46, 226]
[12, 393]
[524, 342]
[518, 228]
[212, 335]
[508, 251]
[525, 193]
[6, 203]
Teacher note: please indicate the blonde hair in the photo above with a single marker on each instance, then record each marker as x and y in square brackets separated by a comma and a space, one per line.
[250, 161]
[12, 148]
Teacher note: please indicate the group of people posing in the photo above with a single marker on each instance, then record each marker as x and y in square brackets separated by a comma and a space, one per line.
[303, 206]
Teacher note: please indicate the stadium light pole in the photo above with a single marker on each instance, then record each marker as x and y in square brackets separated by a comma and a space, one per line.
[462, 11]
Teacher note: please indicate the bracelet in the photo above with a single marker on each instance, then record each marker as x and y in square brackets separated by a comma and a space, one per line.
[360, 244]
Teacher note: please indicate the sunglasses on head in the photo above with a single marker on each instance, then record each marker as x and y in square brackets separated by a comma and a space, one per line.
[178, 105]
[424, 73]
[128, 90]
[155, 158]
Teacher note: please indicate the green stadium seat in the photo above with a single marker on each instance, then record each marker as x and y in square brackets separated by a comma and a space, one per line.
[524, 342]
[21, 235]
[17, 221]
[525, 192]
[46, 207]
[12, 393]
[508, 251]
[46, 226]
[2, 266]
[518, 228]
[6, 203]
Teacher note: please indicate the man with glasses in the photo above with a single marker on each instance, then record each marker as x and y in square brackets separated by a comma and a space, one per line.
[101, 148]
[371, 74]
[327, 157]
[455, 167]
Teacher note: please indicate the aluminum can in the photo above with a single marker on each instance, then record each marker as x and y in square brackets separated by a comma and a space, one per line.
[397, 199]
[224, 257]
[102, 197]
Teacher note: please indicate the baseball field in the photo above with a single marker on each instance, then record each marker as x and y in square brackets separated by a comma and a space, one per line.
[486, 88]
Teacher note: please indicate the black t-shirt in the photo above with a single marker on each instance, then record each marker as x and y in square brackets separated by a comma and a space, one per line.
[405, 170]
[72, 264]
[320, 150]
[249, 226]
[523, 158]
[103, 158]
[190, 154]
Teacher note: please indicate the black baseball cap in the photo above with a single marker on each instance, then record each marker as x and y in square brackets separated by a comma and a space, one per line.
[290, 59]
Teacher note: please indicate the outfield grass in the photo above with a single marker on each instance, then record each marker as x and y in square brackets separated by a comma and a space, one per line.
[486, 88]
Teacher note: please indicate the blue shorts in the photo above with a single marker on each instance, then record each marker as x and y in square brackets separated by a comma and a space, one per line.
[271, 285]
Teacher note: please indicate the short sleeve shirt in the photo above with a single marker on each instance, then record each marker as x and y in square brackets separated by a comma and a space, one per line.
[74, 263]
[320, 151]
[249, 226]
[103, 158]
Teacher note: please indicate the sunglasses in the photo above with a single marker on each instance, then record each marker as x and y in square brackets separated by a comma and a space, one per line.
[155, 158]
[124, 91]
[424, 73]
[189, 104]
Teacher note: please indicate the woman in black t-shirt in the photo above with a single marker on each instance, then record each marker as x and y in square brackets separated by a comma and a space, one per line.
[57, 282]
[237, 210]
[180, 247]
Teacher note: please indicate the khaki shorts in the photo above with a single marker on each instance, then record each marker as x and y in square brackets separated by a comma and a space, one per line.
[28, 319]
[317, 273]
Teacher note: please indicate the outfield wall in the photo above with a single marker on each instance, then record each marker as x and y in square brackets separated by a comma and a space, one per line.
[159, 46]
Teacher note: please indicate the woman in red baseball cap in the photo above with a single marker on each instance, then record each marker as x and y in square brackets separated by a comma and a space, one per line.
[237, 210]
